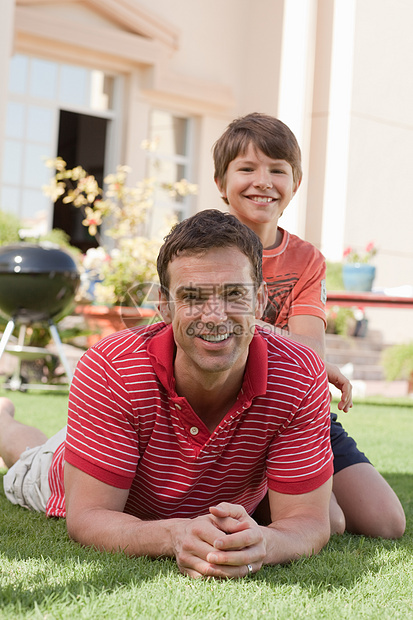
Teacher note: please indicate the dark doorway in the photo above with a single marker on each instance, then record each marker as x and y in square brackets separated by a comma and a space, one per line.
[82, 141]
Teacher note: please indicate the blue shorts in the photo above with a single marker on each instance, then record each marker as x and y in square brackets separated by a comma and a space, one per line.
[344, 447]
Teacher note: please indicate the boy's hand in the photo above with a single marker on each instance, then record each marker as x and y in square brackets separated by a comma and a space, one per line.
[336, 377]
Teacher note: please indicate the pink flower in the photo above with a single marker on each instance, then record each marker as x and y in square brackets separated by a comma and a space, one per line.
[370, 247]
[347, 251]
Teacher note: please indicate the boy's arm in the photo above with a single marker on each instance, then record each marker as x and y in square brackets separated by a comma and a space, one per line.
[309, 330]
[306, 329]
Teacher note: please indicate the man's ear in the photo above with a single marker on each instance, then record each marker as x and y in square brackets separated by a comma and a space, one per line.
[261, 300]
[164, 307]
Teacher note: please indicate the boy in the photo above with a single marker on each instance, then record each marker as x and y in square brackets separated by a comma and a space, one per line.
[258, 171]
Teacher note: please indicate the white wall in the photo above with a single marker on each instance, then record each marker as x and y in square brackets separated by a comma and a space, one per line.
[6, 46]
[236, 43]
[380, 182]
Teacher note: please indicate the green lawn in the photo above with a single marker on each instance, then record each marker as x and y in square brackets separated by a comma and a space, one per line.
[44, 575]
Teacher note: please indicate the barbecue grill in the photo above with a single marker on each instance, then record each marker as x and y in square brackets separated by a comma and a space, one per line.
[37, 284]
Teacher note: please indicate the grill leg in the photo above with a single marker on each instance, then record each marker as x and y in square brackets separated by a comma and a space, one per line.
[6, 336]
[60, 350]
[15, 382]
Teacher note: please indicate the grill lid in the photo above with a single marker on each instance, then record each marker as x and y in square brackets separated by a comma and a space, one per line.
[35, 258]
[37, 282]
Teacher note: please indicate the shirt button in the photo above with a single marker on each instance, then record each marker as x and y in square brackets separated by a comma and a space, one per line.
[193, 430]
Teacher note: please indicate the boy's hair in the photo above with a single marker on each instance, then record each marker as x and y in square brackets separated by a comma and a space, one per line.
[266, 133]
[205, 230]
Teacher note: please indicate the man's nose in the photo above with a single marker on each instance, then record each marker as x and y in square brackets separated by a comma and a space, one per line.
[214, 310]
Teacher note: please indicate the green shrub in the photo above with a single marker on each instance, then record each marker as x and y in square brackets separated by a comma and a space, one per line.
[397, 361]
[9, 228]
[334, 277]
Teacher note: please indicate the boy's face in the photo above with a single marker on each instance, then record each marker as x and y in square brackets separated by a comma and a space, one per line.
[258, 188]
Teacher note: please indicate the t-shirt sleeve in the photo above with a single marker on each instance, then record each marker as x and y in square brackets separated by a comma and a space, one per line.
[101, 439]
[309, 294]
[300, 459]
[296, 282]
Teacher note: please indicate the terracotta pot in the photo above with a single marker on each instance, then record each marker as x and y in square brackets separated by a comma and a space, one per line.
[107, 320]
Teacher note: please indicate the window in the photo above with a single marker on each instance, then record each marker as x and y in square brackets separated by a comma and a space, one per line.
[168, 162]
[38, 91]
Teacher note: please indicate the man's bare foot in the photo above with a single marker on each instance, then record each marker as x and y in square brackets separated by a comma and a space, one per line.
[6, 408]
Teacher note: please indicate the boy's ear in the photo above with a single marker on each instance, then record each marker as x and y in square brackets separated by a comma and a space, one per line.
[297, 185]
[164, 307]
[261, 300]
[220, 188]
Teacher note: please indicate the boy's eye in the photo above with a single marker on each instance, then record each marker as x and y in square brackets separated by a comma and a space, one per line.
[246, 169]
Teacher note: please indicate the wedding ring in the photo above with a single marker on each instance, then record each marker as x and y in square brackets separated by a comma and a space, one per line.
[249, 569]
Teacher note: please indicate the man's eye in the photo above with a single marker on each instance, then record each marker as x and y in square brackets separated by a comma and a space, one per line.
[235, 294]
[190, 297]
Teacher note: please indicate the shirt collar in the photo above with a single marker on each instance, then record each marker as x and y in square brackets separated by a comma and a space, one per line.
[161, 350]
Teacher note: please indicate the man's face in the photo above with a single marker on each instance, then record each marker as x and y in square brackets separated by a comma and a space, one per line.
[258, 188]
[212, 307]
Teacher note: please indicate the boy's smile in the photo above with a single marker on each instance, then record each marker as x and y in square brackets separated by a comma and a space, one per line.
[258, 188]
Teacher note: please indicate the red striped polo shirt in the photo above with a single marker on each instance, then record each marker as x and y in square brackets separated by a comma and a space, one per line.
[128, 428]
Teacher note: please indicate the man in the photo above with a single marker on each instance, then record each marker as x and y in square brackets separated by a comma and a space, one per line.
[176, 431]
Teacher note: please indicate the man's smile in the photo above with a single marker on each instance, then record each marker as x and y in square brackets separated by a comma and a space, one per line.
[214, 337]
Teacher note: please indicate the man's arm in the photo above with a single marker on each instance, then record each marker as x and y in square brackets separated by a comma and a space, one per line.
[220, 544]
[95, 517]
[300, 527]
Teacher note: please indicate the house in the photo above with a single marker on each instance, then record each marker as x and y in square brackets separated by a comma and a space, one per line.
[91, 79]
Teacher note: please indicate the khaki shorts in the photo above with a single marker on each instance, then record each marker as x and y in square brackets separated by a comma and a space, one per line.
[27, 481]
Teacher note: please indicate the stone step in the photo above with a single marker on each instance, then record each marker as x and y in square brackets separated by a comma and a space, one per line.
[372, 341]
[358, 357]
[368, 373]
[355, 356]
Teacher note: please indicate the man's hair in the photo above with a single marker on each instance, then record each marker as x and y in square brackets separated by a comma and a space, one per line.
[266, 133]
[205, 230]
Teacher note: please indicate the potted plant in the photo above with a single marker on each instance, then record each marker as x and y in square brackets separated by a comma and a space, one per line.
[397, 362]
[358, 273]
[115, 276]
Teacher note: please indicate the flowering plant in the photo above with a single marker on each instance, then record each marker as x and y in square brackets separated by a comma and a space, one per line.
[350, 255]
[128, 257]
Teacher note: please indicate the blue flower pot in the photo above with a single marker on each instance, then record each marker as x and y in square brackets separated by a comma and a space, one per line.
[358, 276]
